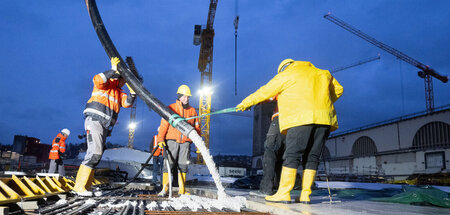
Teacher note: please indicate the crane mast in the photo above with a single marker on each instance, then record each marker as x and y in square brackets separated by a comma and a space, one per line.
[205, 63]
[426, 72]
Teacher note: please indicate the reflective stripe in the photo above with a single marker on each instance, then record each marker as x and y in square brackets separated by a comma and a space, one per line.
[62, 147]
[55, 145]
[103, 77]
[99, 93]
[53, 150]
[94, 111]
[103, 108]
[275, 115]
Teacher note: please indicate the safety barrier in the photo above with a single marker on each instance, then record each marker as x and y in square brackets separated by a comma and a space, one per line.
[15, 189]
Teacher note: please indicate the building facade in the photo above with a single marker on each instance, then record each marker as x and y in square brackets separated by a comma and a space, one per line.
[413, 144]
[262, 116]
[418, 143]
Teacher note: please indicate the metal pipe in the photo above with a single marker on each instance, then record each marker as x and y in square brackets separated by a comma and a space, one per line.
[151, 101]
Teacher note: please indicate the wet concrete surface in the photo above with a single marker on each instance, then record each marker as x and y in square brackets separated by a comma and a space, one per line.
[322, 205]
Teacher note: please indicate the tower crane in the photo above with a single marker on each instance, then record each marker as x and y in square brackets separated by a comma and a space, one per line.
[236, 25]
[338, 69]
[425, 71]
[205, 38]
[132, 125]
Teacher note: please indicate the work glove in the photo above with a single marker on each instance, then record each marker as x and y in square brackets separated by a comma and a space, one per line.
[162, 144]
[114, 62]
[243, 106]
[131, 90]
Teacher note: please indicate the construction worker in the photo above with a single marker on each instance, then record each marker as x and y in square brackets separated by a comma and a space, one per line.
[272, 159]
[58, 148]
[101, 114]
[157, 160]
[306, 96]
[177, 144]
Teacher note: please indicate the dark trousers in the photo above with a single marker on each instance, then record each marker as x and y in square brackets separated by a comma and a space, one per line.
[272, 162]
[304, 144]
[157, 167]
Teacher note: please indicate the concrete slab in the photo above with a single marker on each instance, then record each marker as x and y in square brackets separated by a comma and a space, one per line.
[28, 205]
[4, 210]
[62, 196]
[49, 174]
[321, 205]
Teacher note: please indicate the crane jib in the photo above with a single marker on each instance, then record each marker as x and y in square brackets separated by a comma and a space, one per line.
[400, 55]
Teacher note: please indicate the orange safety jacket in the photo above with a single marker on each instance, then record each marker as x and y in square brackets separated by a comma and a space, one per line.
[168, 132]
[158, 151]
[106, 99]
[58, 145]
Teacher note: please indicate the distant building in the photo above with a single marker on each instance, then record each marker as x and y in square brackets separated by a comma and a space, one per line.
[30, 146]
[243, 161]
[262, 116]
[413, 144]
[418, 143]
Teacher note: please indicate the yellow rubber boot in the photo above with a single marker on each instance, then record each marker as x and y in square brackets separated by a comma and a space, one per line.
[90, 181]
[307, 181]
[81, 182]
[165, 184]
[182, 183]
[287, 182]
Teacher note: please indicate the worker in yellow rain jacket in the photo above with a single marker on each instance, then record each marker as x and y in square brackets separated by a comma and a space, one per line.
[101, 113]
[306, 97]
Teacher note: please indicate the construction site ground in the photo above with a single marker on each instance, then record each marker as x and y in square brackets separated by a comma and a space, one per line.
[322, 205]
[141, 198]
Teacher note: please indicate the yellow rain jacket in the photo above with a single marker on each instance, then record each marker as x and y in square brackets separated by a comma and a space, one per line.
[305, 96]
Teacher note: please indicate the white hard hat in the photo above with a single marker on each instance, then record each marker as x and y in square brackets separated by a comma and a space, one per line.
[66, 131]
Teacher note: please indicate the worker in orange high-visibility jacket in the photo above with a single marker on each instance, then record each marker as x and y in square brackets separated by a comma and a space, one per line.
[58, 148]
[101, 114]
[306, 97]
[177, 144]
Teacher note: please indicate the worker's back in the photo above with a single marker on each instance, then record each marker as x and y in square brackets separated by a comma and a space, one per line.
[307, 96]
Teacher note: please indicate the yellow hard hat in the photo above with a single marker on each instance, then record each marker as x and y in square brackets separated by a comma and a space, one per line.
[184, 90]
[284, 64]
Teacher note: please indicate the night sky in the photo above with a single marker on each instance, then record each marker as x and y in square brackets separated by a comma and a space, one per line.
[50, 53]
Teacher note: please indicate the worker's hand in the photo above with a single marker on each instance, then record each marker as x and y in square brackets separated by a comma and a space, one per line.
[131, 90]
[162, 144]
[114, 62]
[242, 107]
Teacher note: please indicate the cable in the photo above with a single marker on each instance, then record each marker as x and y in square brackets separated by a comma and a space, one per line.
[226, 110]
[137, 174]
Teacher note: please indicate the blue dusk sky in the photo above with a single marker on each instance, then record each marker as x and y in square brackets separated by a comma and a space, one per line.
[49, 54]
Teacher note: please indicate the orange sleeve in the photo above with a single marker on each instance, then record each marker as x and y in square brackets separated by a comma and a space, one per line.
[197, 123]
[163, 127]
[124, 101]
[62, 146]
[100, 81]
